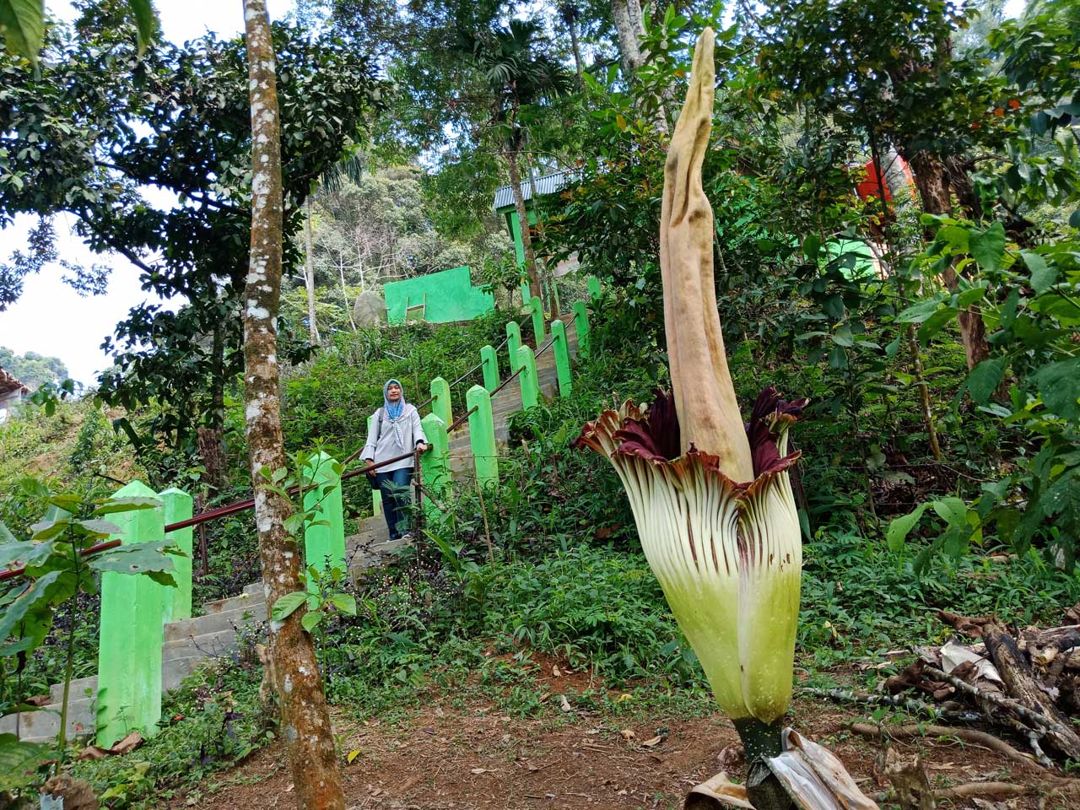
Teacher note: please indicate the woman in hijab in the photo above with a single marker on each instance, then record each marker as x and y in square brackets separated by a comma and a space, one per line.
[395, 430]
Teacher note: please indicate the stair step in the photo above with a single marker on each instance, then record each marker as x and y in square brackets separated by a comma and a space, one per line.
[220, 642]
[44, 724]
[252, 612]
[79, 688]
[234, 602]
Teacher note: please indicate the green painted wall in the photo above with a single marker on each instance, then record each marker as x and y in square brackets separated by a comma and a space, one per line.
[445, 296]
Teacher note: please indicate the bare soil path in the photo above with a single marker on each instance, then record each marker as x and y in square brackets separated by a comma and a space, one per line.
[453, 754]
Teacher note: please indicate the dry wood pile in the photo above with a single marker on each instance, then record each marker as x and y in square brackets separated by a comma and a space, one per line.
[1023, 684]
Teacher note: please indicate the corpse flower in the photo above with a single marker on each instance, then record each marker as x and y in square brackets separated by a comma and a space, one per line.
[712, 498]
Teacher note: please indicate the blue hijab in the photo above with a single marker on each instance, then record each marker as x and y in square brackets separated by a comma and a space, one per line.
[393, 409]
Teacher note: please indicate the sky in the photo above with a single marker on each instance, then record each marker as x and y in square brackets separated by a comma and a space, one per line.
[52, 319]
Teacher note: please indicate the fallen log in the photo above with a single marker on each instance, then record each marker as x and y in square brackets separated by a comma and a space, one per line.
[1020, 682]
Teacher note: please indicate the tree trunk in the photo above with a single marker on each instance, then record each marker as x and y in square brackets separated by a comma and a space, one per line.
[575, 46]
[932, 181]
[345, 295]
[309, 275]
[210, 438]
[305, 722]
[511, 156]
[549, 275]
[626, 27]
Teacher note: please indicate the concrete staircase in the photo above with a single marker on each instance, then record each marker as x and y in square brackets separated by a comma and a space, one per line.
[187, 643]
[215, 634]
[506, 403]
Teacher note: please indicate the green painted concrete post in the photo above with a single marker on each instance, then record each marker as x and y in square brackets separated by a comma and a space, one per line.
[562, 356]
[324, 539]
[440, 405]
[530, 383]
[376, 495]
[482, 436]
[489, 362]
[594, 287]
[581, 324]
[130, 635]
[435, 463]
[178, 506]
[537, 310]
[513, 343]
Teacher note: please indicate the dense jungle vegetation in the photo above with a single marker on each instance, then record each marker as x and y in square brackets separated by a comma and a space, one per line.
[929, 310]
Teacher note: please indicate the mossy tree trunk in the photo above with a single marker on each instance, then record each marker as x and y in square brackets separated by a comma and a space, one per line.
[305, 722]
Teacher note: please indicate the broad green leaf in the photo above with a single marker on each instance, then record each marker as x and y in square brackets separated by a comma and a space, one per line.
[138, 558]
[23, 24]
[1059, 387]
[935, 323]
[985, 378]
[970, 296]
[311, 620]
[842, 337]
[5, 534]
[988, 247]
[1062, 499]
[345, 602]
[102, 527]
[952, 510]
[17, 554]
[811, 246]
[1043, 277]
[917, 313]
[838, 358]
[19, 762]
[145, 22]
[67, 503]
[114, 505]
[286, 605]
[37, 595]
[901, 527]
[48, 529]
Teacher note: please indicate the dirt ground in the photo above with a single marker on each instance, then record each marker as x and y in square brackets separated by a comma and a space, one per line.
[473, 756]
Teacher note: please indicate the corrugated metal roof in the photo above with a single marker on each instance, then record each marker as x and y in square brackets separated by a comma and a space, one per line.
[548, 184]
[8, 383]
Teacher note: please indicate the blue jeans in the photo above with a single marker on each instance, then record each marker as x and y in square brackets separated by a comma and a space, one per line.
[394, 486]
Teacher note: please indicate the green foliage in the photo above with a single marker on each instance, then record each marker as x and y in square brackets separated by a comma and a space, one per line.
[861, 599]
[332, 397]
[594, 608]
[217, 720]
[32, 369]
[58, 565]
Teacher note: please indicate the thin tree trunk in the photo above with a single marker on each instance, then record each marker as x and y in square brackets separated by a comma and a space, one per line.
[309, 274]
[931, 179]
[511, 155]
[305, 721]
[912, 344]
[630, 27]
[575, 46]
[345, 295]
[549, 274]
[629, 43]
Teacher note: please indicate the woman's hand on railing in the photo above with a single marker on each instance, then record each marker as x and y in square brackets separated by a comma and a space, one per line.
[422, 447]
[369, 469]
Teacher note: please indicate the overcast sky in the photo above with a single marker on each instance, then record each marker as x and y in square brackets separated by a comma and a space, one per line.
[52, 319]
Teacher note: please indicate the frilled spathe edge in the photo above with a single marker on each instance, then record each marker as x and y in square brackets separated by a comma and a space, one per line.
[652, 434]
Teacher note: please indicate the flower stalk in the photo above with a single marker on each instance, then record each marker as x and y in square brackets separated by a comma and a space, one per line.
[711, 496]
